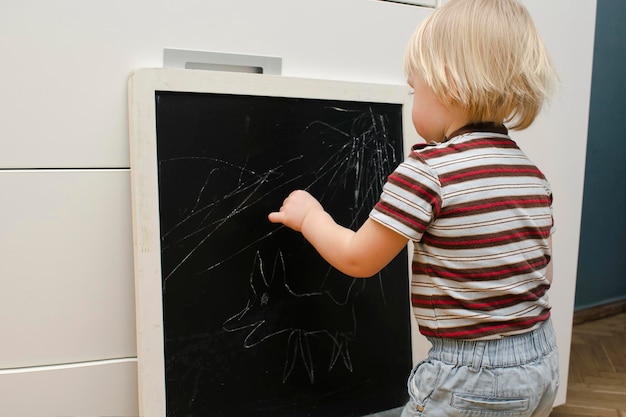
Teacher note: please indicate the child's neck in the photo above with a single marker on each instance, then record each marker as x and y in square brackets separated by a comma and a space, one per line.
[496, 127]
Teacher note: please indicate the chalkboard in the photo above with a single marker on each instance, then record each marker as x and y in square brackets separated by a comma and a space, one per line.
[237, 316]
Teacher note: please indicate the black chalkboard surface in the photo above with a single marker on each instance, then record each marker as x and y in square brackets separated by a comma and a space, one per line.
[253, 321]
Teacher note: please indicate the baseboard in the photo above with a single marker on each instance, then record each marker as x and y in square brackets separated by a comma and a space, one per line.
[600, 311]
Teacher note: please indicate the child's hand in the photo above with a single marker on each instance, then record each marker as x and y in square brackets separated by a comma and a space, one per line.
[294, 210]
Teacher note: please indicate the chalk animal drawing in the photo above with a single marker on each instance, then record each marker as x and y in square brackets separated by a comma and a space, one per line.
[274, 309]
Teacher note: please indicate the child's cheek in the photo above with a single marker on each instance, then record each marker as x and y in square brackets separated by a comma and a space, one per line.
[420, 123]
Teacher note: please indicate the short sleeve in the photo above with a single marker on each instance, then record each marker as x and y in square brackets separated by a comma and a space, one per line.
[411, 199]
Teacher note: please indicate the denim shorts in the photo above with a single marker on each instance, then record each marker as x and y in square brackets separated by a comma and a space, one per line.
[516, 376]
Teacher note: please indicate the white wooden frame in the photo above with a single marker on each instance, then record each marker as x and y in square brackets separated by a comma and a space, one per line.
[144, 182]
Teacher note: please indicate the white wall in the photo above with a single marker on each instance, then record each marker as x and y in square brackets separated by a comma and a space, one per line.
[66, 284]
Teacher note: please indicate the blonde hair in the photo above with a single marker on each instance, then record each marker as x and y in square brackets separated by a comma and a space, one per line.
[485, 56]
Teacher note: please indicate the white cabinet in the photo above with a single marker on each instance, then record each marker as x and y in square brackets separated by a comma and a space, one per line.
[66, 287]
[107, 388]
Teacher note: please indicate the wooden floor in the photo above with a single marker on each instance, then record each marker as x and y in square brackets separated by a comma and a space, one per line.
[597, 373]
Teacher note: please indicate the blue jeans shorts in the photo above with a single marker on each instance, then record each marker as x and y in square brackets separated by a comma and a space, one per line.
[516, 376]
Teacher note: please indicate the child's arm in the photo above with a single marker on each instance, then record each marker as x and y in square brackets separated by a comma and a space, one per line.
[359, 254]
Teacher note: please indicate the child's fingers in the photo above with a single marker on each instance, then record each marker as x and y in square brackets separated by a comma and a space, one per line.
[276, 217]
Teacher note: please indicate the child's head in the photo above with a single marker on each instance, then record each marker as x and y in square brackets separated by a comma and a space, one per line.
[485, 56]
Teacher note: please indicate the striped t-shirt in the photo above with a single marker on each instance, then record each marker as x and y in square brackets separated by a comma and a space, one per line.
[479, 213]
